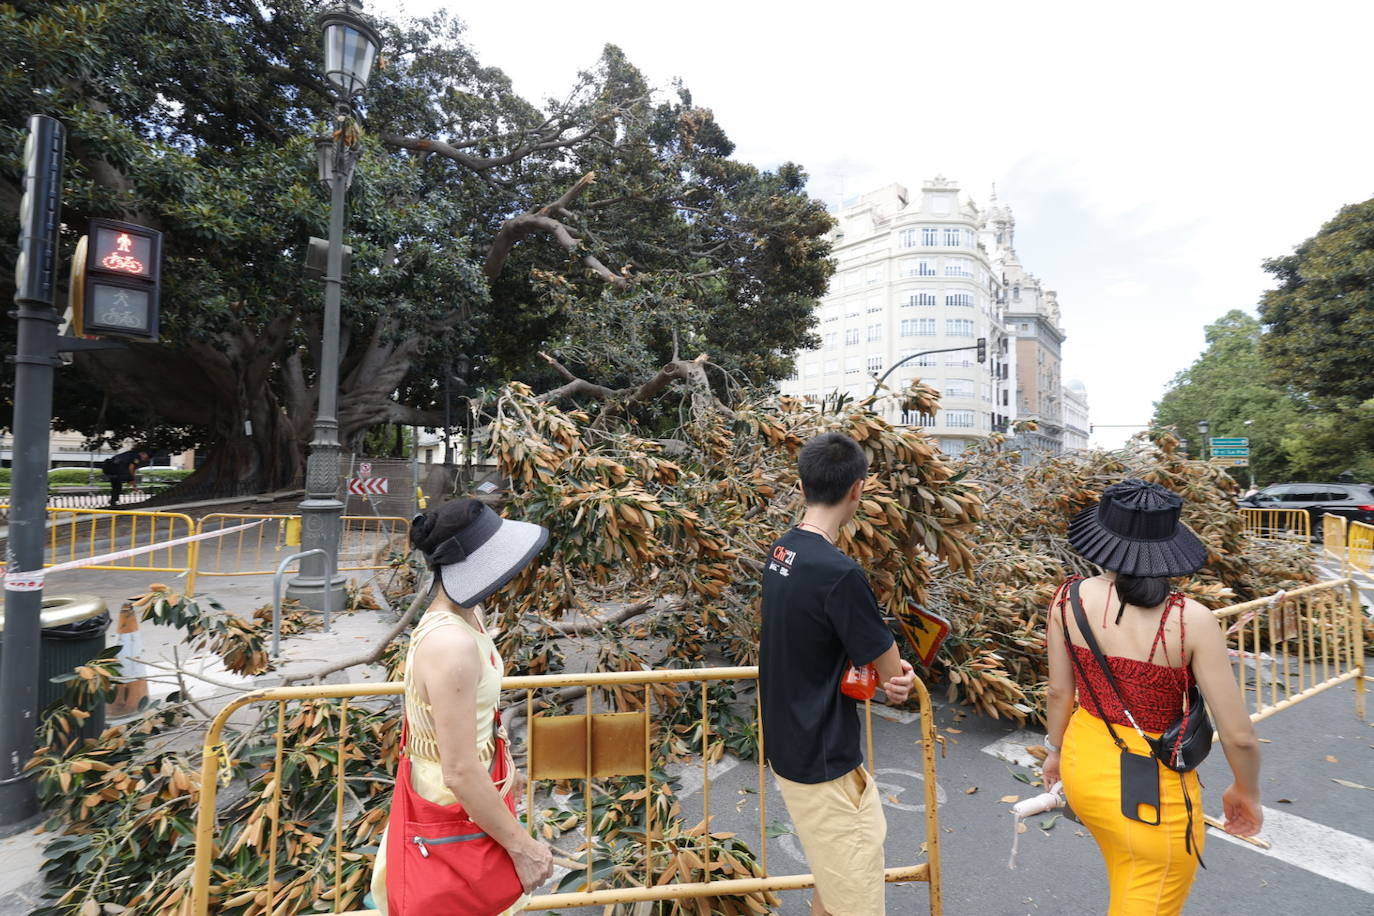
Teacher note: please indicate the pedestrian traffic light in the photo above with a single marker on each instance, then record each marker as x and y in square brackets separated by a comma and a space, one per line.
[40, 211]
[982, 349]
[122, 283]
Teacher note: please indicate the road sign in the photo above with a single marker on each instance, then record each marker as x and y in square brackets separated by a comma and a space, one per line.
[925, 630]
[364, 468]
[1230, 453]
[1231, 462]
[368, 486]
[1230, 442]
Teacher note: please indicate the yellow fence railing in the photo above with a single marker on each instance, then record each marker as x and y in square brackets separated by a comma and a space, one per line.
[76, 534]
[1278, 523]
[1359, 546]
[578, 747]
[1297, 644]
[1333, 536]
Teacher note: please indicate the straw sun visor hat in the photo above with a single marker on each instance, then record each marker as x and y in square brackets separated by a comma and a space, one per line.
[475, 551]
[1135, 530]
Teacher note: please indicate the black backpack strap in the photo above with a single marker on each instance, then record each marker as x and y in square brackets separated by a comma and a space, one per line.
[1068, 647]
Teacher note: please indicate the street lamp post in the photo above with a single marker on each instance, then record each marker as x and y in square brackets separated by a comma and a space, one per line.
[1203, 428]
[350, 48]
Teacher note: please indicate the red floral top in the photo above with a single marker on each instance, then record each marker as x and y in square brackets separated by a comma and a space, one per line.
[1154, 692]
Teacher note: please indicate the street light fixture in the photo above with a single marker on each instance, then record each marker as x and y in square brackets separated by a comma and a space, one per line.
[350, 49]
[1203, 428]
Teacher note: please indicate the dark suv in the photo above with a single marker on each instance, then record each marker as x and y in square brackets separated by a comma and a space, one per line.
[1355, 501]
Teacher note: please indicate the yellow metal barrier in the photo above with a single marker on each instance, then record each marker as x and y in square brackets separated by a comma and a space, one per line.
[1359, 545]
[1294, 645]
[559, 747]
[1333, 536]
[364, 543]
[1274, 524]
[76, 534]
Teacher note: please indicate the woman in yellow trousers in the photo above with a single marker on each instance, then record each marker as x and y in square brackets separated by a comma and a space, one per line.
[1158, 644]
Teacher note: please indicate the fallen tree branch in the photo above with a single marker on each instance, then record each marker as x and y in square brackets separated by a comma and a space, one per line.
[371, 656]
[592, 624]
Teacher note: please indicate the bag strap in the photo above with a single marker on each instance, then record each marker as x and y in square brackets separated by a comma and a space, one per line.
[1086, 629]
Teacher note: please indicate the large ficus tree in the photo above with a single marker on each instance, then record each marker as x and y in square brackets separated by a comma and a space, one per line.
[610, 228]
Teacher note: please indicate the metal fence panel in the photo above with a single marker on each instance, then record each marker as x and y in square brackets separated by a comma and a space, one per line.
[617, 742]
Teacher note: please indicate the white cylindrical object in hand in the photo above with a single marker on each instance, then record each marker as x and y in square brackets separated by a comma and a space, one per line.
[1040, 803]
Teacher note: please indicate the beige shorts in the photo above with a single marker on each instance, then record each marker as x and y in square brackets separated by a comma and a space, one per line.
[842, 829]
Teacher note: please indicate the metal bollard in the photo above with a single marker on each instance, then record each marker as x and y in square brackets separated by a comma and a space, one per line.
[276, 593]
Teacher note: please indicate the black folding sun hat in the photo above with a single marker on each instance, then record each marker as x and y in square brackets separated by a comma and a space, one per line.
[482, 556]
[1134, 529]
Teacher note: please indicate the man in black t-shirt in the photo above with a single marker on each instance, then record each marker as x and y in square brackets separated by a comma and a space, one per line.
[122, 469]
[819, 617]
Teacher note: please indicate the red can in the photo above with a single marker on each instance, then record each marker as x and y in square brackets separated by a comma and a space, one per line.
[859, 682]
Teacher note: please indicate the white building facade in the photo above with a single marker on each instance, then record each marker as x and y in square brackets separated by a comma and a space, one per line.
[913, 276]
[1077, 427]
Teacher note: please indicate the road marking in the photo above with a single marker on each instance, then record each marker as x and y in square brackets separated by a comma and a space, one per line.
[1012, 748]
[1314, 847]
[689, 774]
[1305, 844]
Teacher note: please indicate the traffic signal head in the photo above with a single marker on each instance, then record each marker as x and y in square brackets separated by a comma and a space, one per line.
[982, 349]
[40, 211]
[123, 280]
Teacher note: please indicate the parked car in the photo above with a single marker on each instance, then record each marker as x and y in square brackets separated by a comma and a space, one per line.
[1354, 501]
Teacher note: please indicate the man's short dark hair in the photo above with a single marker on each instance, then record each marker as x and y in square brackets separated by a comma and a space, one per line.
[828, 465]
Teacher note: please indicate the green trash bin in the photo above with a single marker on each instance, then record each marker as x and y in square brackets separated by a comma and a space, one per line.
[74, 628]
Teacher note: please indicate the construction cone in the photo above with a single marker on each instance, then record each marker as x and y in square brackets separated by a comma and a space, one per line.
[133, 693]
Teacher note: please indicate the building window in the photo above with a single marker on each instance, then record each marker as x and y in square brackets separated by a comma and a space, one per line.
[927, 359]
[930, 236]
[953, 237]
[875, 332]
[913, 300]
[916, 418]
[851, 365]
[906, 238]
[959, 327]
[830, 314]
[961, 360]
[832, 340]
[908, 268]
[873, 306]
[961, 299]
[918, 327]
[958, 267]
[874, 275]
[812, 369]
[925, 268]
[851, 336]
[875, 364]
[968, 238]
[958, 388]
[962, 419]
[832, 366]
[852, 310]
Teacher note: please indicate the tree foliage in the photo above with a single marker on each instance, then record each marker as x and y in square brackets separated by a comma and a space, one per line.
[1319, 342]
[1229, 387]
[611, 227]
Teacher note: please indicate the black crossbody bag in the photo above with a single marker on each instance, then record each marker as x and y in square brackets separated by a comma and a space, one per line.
[1184, 745]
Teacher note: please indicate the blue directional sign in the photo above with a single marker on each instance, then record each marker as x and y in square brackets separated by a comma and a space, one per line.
[1230, 442]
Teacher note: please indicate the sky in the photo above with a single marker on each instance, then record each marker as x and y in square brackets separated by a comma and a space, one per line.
[1153, 155]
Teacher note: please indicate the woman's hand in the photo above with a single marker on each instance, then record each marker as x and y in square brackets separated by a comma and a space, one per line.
[533, 863]
[1049, 770]
[1244, 817]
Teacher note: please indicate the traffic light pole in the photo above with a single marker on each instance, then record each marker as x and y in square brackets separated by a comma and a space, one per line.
[34, 361]
[877, 386]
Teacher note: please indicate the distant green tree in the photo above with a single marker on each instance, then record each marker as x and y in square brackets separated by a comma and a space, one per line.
[1319, 321]
[1228, 387]
[1319, 343]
